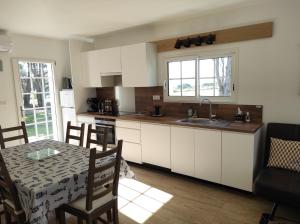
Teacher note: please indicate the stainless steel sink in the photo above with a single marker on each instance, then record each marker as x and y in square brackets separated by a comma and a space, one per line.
[205, 122]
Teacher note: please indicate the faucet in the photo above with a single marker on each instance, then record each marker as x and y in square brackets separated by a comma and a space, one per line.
[211, 116]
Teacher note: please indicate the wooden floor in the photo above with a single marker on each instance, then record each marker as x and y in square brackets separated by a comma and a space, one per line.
[200, 202]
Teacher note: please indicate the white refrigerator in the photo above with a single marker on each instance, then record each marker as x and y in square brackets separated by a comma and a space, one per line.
[67, 104]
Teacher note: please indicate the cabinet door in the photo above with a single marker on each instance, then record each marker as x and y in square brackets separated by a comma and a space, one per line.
[183, 150]
[155, 140]
[109, 60]
[139, 65]
[132, 152]
[237, 160]
[208, 155]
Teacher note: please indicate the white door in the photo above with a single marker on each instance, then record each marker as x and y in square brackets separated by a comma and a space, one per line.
[208, 154]
[35, 93]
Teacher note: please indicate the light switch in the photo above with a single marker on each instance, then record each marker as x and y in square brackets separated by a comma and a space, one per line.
[156, 97]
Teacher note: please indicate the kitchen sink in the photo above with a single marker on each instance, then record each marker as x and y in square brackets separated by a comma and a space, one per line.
[205, 122]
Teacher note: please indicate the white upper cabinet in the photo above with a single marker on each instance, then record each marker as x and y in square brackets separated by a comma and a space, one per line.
[139, 65]
[99, 64]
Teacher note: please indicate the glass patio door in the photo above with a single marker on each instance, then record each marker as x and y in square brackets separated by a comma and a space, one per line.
[36, 98]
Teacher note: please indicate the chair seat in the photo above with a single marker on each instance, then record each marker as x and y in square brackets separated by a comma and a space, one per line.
[80, 203]
[279, 185]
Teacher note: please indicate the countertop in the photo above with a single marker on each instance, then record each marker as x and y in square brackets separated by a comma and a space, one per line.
[171, 120]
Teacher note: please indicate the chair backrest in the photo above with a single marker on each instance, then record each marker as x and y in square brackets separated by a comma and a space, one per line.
[101, 137]
[74, 137]
[282, 131]
[109, 184]
[8, 189]
[13, 138]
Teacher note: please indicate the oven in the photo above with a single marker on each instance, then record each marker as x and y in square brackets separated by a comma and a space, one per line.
[110, 124]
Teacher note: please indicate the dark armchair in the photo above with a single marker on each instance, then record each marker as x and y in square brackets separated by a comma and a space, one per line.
[281, 186]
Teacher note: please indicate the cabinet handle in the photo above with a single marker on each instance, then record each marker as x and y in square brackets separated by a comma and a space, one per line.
[165, 84]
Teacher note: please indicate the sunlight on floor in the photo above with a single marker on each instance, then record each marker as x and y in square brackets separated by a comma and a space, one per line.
[139, 201]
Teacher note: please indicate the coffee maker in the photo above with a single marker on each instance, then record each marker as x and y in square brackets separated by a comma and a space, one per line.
[93, 104]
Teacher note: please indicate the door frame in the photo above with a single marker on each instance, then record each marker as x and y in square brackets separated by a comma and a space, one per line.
[17, 86]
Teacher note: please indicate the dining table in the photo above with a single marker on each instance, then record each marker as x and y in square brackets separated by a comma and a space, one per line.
[44, 184]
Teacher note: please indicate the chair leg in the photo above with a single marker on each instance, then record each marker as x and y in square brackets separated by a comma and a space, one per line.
[266, 217]
[79, 220]
[61, 216]
[115, 213]
[7, 217]
[108, 214]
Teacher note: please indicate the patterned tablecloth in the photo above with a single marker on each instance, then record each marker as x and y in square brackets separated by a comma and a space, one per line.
[46, 184]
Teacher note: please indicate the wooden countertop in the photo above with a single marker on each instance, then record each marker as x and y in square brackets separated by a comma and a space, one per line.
[233, 126]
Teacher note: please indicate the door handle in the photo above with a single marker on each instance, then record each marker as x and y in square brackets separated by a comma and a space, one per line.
[21, 112]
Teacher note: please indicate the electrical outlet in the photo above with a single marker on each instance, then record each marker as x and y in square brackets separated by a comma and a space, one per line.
[156, 97]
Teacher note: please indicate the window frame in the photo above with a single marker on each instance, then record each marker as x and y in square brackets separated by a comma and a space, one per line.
[198, 55]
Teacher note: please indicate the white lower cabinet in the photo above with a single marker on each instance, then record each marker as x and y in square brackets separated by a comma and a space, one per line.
[130, 133]
[183, 150]
[132, 152]
[155, 140]
[238, 159]
[208, 155]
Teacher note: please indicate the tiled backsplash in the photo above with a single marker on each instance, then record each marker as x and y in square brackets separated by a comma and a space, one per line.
[144, 103]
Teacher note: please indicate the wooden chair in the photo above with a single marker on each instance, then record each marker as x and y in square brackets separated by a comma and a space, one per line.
[101, 137]
[18, 137]
[75, 128]
[102, 195]
[10, 199]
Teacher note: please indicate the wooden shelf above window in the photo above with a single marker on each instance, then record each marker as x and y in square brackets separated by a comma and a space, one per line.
[237, 34]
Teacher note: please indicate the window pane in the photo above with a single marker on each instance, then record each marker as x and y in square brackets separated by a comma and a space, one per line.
[30, 130]
[42, 129]
[223, 76]
[207, 87]
[49, 114]
[23, 69]
[188, 87]
[27, 100]
[50, 128]
[174, 69]
[46, 85]
[48, 99]
[206, 68]
[37, 85]
[38, 100]
[28, 116]
[40, 115]
[188, 69]
[26, 85]
[175, 87]
[35, 69]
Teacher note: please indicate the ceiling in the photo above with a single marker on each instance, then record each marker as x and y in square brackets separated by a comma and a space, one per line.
[75, 18]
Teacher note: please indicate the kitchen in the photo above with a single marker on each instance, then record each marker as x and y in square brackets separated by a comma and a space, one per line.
[191, 98]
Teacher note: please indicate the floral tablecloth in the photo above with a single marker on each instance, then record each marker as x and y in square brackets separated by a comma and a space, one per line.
[46, 184]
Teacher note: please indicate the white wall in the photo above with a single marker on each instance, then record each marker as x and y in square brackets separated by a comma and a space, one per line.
[81, 93]
[32, 48]
[269, 69]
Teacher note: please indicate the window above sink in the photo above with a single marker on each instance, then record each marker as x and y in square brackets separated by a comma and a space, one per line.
[201, 75]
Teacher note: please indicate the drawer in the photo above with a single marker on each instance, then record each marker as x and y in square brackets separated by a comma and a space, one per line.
[132, 152]
[128, 135]
[128, 124]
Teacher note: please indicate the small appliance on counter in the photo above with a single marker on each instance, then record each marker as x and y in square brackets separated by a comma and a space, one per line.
[67, 83]
[157, 112]
[93, 104]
